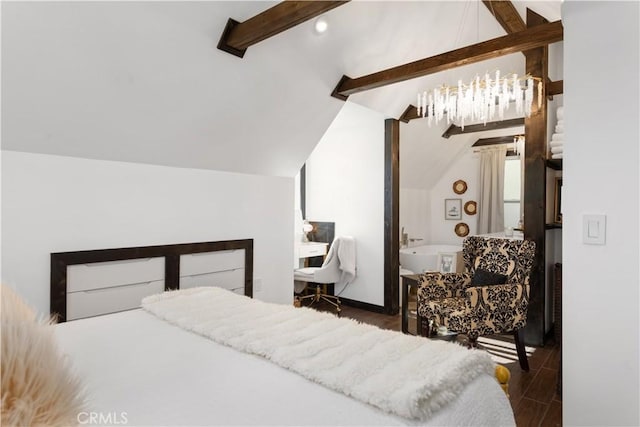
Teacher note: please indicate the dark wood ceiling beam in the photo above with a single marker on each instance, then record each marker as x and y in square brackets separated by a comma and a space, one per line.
[508, 17]
[494, 141]
[410, 113]
[238, 36]
[531, 38]
[555, 88]
[502, 124]
[506, 14]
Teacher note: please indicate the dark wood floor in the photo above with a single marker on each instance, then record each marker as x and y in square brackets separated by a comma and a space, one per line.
[533, 395]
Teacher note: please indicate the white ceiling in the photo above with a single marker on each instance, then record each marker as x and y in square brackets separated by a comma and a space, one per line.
[144, 82]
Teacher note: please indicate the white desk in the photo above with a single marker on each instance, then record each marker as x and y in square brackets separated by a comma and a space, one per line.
[308, 250]
[311, 249]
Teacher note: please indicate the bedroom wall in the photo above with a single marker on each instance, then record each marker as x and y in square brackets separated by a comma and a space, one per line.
[601, 325]
[345, 184]
[55, 204]
[465, 168]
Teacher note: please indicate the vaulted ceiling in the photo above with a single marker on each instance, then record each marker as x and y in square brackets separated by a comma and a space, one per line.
[144, 82]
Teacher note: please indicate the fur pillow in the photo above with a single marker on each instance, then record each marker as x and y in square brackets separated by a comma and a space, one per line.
[38, 388]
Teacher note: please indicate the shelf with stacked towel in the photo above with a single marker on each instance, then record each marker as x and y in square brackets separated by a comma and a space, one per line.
[556, 144]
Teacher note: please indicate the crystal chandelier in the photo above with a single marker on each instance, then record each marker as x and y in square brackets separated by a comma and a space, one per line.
[479, 100]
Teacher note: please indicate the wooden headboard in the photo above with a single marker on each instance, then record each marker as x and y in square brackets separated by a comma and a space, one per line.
[170, 254]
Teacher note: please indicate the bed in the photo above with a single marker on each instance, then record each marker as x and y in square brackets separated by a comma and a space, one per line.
[158, 374]
[143, 367]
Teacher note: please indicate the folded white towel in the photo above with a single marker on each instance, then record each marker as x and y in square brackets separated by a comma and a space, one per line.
[556, 143]
[556, 156]
[556, 150]
[347, 257]
[560, 113]
[560, 122]
[557, 137]
[559, 129]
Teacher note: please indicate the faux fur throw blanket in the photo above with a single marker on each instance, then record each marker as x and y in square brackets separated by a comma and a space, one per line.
[405, 375]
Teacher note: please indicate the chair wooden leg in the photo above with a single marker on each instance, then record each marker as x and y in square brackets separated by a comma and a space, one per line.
[422, 327]
[334, 301]
[522, 353]
[472, 341]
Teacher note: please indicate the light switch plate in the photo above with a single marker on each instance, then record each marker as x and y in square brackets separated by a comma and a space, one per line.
[594, 229]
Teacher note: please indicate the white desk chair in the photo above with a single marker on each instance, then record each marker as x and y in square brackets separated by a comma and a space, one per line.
[339, 267]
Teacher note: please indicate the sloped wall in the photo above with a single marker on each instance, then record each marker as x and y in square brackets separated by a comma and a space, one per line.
[143, 82]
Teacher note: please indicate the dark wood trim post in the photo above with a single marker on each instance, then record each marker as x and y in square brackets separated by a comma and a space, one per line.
[171, 272]
[303, 190]
[391, 215]
[248, 267]
[535, 178]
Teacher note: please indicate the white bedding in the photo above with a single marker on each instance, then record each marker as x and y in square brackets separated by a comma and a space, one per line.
[158, 374]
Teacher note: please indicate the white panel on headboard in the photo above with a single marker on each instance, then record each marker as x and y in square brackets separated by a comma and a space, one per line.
[210, 262]
[98, 275]
[107, 287]
[109, 300]
[229, 279]
[224, 269]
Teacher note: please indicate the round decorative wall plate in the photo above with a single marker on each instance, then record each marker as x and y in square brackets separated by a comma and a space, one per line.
[461, 229]
[471, 207]
[459, 186]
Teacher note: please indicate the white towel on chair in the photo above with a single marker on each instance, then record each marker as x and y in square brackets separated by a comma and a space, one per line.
[298, 286]
[347, 257]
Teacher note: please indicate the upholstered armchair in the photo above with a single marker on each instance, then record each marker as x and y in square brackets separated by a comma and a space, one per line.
[490, 297]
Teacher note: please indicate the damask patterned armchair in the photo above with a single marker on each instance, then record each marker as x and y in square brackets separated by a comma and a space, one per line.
[490, 297]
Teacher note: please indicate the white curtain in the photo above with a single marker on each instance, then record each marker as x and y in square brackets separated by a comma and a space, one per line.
[491, 190]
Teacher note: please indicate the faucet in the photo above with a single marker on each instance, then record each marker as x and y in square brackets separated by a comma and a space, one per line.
[404, 242]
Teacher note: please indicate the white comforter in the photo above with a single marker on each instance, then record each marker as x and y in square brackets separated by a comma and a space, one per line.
[152, 373]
